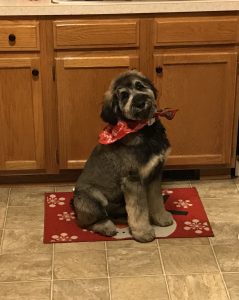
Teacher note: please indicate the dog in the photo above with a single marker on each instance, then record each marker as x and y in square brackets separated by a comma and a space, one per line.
[123, 178]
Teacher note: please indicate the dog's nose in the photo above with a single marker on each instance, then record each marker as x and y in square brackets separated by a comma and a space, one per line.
[139, 101]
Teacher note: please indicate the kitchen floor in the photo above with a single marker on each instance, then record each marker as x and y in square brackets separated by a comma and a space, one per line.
[195, 269]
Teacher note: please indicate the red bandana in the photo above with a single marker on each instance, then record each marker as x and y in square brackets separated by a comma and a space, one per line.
[112, 133]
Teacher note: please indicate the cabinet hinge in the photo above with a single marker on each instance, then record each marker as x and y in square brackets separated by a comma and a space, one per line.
[54, 72]
[57, 157]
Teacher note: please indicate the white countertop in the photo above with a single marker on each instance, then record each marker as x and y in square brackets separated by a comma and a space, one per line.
[45, 7]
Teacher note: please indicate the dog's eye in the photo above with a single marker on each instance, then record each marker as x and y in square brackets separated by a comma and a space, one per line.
[139, 86]
[124, 95]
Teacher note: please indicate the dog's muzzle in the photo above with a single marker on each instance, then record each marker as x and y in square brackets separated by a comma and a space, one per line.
[142, 106]
[139, 101]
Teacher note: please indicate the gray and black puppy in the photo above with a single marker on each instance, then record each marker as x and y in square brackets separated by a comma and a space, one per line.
[124, 178]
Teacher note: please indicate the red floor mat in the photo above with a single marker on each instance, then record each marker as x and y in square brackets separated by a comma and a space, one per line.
[190, 219]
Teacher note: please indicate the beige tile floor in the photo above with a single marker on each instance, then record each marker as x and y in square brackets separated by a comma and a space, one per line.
[173, 269]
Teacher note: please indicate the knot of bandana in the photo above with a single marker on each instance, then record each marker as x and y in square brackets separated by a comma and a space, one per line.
[112, 133]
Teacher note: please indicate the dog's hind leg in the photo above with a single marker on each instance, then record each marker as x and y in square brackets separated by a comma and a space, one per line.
[117, 212]
[93, 216]
[137, 209]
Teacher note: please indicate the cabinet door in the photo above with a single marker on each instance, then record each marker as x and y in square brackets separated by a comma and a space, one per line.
[81, 84]
[21, 116]
[202, 86]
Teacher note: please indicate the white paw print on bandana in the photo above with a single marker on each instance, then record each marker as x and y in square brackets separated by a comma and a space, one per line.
[196, 226]
[53, 201]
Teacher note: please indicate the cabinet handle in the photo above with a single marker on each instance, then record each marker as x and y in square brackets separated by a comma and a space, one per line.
[35, 72]
[12, 37]
[159, 70]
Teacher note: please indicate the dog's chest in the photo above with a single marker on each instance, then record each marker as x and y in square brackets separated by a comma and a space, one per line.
[156, 159]
[153, 151]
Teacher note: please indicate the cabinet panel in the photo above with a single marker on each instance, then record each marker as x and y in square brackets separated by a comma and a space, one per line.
[81, 84]
[195, 30]
[21, 117]
[202, 86]
[101, 33]
[18, 36]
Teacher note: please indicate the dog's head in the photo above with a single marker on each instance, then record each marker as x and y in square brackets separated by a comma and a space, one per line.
[131, 96]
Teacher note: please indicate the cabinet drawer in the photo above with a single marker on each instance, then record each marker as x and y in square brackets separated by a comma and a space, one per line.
[96, 33]
[17, 36]
[195, 30]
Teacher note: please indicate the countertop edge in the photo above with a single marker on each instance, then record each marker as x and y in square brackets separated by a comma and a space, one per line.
[94, 8]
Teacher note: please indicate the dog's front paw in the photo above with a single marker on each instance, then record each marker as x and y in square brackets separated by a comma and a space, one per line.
[106, 227]
[164, 219]
[144, 236]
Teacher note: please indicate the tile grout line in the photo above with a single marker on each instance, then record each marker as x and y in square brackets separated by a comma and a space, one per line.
[31, 205]
[230, 272]
[52, 271]
[52, 264]
[236, 185]
[163, 269]
[106, 277]
[5, 220]
[220, 271]
[108, 272]
[47, 280]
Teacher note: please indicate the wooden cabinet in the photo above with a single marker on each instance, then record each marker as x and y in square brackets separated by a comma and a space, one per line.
[21, 116]
[202, 86]
[54, 72]
[195, 30]
[81, 84]
[101, 33]
[195, 69]
[82, 78]
[19, 35]
[21, 110]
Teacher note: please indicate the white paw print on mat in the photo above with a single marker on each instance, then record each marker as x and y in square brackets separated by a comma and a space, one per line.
[66, 216]
[53, 201]
[63, 237]
[183, 203]
[196, 226]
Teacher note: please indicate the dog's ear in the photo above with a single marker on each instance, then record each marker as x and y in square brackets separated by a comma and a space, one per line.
[153, 88]
[109, 110]
[155, 91]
